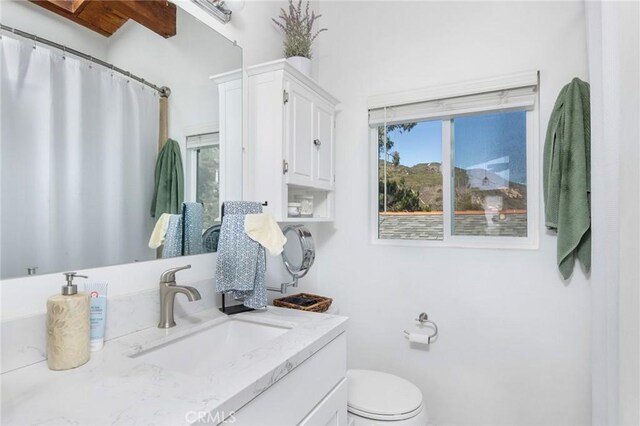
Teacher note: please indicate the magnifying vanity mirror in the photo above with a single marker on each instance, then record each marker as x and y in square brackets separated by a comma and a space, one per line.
[82, 127]
[298, 255]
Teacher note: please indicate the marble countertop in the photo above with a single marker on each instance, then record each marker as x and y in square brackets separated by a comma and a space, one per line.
[113, 388]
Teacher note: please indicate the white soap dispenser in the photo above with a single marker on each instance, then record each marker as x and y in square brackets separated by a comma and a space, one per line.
[68, 327]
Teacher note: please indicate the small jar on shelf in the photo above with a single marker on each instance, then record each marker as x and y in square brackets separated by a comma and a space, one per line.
[306, 205]
[293, 209]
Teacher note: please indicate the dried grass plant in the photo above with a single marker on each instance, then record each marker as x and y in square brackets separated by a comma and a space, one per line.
[298, 29]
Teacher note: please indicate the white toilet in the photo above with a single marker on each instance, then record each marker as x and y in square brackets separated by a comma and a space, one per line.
[377, 398]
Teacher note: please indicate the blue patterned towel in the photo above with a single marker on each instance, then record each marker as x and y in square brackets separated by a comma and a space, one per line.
[241, 207]
[192, 214]
[241, 265]
[173, 238]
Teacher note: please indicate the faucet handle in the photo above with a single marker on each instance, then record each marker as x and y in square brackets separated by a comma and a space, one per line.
[169, 275]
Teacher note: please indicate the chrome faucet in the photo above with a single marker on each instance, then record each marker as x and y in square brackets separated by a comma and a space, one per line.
[168, 291]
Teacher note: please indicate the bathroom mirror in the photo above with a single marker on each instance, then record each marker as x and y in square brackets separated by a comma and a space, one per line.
[299, 251]
[80, 139]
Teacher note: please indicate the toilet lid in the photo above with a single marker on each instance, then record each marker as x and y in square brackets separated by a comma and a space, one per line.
[378, 395]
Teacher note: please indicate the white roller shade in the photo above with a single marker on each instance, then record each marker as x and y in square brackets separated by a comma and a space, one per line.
[516, 92]
[206, 139]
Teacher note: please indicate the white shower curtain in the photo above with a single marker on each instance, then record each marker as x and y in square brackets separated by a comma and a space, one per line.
[78, 150]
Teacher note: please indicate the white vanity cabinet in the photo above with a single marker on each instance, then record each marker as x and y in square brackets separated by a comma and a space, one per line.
[290, 147]
[275, 367]
[312, 394]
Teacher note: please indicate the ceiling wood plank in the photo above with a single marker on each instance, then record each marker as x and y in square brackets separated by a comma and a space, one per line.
[78, 5]
[107, 16]
[70, 6]
[65, 5]
[62, 8]
[102, 15]
[157, 15]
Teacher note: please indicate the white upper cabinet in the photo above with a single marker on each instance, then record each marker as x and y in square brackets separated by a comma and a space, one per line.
[290, 150]
[299, 133]
[324, 145]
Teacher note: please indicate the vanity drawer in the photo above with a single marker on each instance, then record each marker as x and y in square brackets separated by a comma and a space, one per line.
[291, 400]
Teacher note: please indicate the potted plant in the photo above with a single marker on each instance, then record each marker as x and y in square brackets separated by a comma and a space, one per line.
[298, 35]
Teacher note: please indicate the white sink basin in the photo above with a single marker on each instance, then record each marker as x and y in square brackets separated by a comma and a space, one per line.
[205, 351]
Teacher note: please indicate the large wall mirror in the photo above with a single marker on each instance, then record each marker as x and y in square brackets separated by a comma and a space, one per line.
[80, 139]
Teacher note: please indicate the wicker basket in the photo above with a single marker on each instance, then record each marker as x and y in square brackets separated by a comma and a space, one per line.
[320, 303]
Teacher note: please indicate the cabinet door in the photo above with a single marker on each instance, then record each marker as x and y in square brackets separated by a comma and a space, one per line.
[332, 410]
[323, 145]
[306, 395]
[299, 134]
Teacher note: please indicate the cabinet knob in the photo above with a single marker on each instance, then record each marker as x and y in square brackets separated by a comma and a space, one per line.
[317, 142]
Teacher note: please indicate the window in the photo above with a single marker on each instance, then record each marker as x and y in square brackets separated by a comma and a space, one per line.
[489, 156]
[457, 170]
[203, 153]
[410, 181]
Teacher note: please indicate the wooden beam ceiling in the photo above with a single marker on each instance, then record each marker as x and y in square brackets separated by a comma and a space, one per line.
[107, 16]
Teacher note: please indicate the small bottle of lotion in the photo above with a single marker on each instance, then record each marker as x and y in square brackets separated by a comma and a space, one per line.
[68, 327]
[98, 306]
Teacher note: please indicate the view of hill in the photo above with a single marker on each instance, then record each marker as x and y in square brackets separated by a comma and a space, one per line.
[472, 187]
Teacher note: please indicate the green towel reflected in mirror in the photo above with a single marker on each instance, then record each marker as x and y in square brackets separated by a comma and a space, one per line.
[168, 194]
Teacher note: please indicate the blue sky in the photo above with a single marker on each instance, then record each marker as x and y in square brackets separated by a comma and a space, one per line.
[423, 144]
[478, 139]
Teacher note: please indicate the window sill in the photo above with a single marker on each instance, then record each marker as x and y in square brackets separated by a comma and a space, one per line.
[500, 243]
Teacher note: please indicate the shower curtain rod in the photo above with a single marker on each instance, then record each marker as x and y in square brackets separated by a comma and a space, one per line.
[164, 91]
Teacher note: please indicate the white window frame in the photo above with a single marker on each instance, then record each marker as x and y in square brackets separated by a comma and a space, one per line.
[531, 241]
[191, 176]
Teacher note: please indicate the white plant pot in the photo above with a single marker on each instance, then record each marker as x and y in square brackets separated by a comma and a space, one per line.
[301, 63]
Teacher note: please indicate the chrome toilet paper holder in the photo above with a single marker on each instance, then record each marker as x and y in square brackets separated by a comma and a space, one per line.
[423, 319]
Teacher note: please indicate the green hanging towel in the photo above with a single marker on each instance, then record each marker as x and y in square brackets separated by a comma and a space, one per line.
[567, 176]
[168, 193]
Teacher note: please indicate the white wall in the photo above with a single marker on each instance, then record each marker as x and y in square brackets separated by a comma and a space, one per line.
[514, 345]
[614, 62]
[624, 23]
